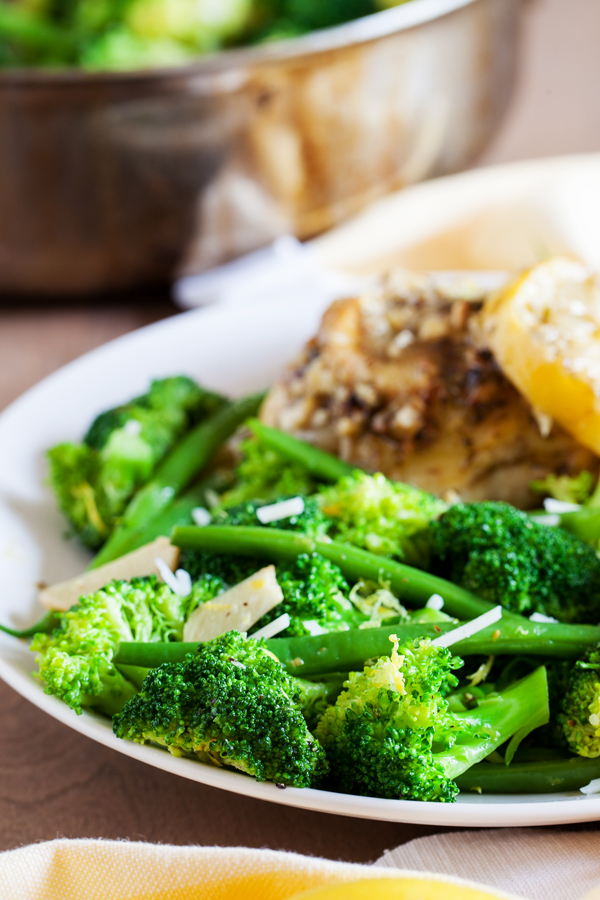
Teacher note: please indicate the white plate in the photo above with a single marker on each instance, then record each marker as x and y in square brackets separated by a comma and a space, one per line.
[236, 350]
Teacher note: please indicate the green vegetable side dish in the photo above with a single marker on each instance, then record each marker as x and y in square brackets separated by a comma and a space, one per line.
[352, 692]
[136, 34]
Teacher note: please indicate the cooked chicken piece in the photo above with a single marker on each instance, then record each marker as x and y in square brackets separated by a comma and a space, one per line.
[400, 381]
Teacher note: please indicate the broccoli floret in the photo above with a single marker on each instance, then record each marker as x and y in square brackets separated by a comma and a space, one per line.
[580, 717]
[394, 732]
[497, 552]
[380, 515]
[379, 735]
[264, 474]
[315, 593]
[231, 704]
[315, 596]
[311, 521]
[570, 489]
[75, 660]
[93, 481]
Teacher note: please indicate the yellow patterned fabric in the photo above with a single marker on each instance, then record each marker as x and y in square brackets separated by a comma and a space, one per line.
[109, 870]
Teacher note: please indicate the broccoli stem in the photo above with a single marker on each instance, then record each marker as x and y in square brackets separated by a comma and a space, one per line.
[116, 690]
[319, 463]
[174, 474]
[134, 674]
[409, 584]
[519, 709]
[344, 651]
[537, 777]
[46, 624]
[584, 524]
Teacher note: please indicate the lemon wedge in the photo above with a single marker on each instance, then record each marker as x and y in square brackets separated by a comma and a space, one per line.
[405, 887]
[544, 331]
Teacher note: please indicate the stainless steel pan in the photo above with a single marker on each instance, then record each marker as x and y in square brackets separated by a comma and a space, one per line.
[117, 181]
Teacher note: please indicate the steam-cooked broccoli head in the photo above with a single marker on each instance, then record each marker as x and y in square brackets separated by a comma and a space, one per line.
[568, 488]
[312, 520]
[75, 660]
[497, 552]
[379, 736]
[232, 704]
[315, 593]
[380, 515]
[580, 718]
[93, 481]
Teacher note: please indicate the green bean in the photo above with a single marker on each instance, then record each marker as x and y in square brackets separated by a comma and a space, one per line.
[344, 651]
[334, 652]
[409, 584]
[178, 513]
[321, 464]
[544, 776]
[47, 624]
[349, 650]
[174, 474]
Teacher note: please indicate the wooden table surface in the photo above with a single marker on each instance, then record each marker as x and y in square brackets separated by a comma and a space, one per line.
[53, 782]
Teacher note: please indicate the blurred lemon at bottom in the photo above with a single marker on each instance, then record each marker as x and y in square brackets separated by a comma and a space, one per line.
[405, 887]
[544, 331]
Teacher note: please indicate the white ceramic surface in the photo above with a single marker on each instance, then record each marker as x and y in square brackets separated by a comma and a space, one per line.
[235, 350]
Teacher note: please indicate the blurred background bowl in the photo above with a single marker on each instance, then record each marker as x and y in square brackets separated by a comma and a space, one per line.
[113, 182]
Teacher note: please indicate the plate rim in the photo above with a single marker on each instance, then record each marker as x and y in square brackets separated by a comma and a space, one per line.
[470, 811]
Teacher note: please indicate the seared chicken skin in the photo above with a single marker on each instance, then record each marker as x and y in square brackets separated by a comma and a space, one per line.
[400, 381]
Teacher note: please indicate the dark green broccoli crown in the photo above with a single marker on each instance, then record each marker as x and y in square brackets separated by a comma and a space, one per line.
[497, 552]
[311, 521]
[232, 703]
[314, 588]
[580, 719]
[264, 474]
[377, 758]
[229, 569]
[381, 734]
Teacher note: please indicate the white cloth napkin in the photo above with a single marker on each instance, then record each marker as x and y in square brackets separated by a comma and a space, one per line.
[536, 863]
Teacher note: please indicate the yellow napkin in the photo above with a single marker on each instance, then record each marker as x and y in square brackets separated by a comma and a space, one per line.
[109, 870]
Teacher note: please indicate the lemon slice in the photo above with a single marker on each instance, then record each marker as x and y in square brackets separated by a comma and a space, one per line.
[544, 331]
[405, 887]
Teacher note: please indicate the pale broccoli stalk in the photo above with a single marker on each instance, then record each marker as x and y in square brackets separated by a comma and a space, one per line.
[230, 704]
[76, 659]
[380, 515]
[392, 733]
